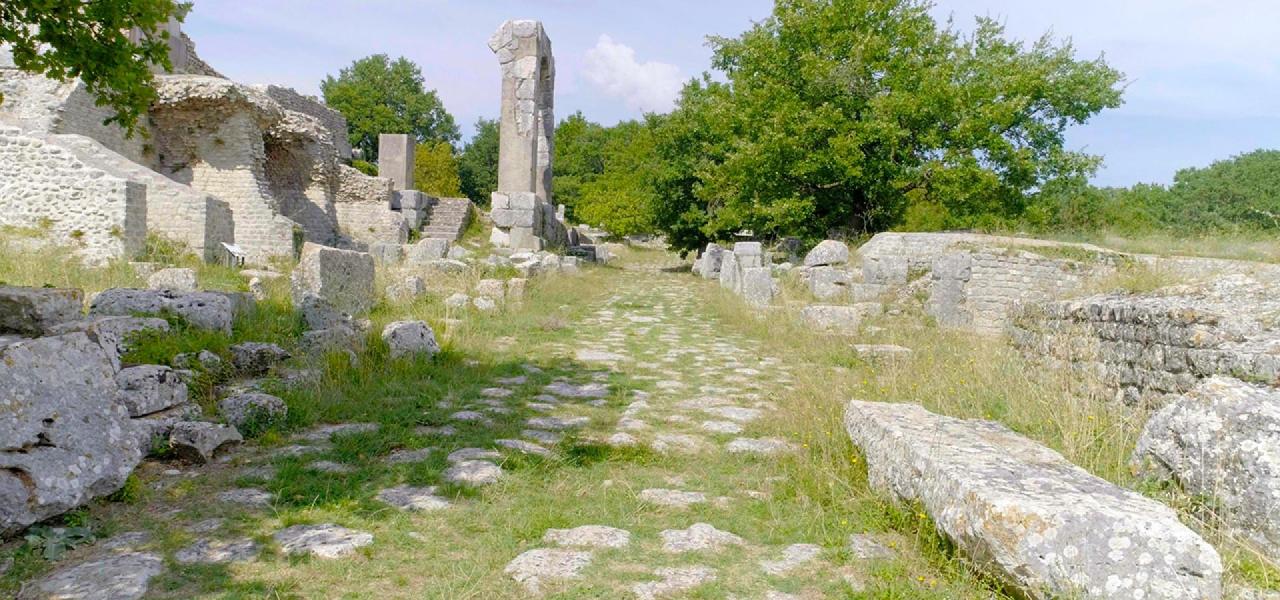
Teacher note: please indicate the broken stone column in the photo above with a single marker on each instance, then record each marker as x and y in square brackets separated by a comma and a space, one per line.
[395, 159]
[526, 131]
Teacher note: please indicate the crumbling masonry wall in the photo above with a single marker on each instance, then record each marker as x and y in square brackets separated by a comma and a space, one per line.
[979, 290]
[1145, 346]
[46, 187]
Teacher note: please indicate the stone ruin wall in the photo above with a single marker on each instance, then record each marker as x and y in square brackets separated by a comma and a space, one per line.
[1146, 346]
[220, 163]
[176, 211]
[43, 186]
[979, 290]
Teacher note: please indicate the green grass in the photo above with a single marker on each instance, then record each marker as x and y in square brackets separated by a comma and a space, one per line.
[818, 495]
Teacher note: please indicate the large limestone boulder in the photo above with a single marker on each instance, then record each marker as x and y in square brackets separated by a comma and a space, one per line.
[1222, 440]
[35, 311]
[829, 283]
[64, 439]
[425, 251]
[828, 253]
[758, 286]
[206, 310]
[177, 279]
[148, 389]
[342, 279]
[730, 273]
[709, 263]
[405, 338]
[1025, 515]
[112, 333]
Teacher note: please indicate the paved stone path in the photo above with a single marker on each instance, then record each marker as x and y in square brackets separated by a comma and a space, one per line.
[663, 477]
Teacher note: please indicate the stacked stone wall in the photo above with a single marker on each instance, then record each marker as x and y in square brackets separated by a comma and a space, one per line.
[46, 187]
[979, 290]
[1144, 347]
[175, 211]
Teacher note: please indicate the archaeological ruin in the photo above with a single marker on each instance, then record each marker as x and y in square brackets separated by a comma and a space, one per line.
[445, 400]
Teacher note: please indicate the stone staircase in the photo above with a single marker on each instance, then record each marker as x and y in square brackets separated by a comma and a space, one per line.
[446, 218]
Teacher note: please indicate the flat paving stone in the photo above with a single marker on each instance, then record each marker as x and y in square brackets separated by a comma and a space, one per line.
[724, 427]
[678, 442]
[322, 541]
[571, 390]
[666, 497]
[473, 472]
[325, 432]
[866, 547]
[557, 423]
[400, 457]
[206, 525]
[214, 552]
[535, 568]
[543, 437]
[246, 497]
[328, 466]
[123, 576]
[698, 537]
[588, 536]
[496, 393]
[765, 446]
[469, 454]
[525, 447]
[405, 497]
[734, 413]
[794, 557]
[675, 580]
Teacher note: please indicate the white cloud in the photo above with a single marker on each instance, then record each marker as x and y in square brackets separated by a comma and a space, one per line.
[650, 86]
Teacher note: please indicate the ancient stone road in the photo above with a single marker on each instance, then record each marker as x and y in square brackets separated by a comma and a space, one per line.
[695, 496]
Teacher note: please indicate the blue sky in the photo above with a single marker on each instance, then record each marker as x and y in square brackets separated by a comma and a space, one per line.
[1203, 77]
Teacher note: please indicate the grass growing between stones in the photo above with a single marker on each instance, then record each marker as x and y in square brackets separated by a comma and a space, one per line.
[966, 376]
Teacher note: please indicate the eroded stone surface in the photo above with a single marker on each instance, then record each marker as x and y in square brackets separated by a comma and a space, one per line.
[123, 576]
[217, 552]
[794, 557]
[678, 498]
[698, 537]
[1027, 515]
[321, 541]
[534, 568]
[473, 472]
[674, 581]
[406, 497]
[589, 536]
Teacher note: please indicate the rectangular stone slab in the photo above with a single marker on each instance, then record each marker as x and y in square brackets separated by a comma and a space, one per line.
[1026, 515]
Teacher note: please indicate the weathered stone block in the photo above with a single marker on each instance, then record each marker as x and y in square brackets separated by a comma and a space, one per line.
[829, 283]
[395, 159]
[758, 286]
[827, 253]
[200, 442]
[34, 311]
[252, 408]
[712, 258]
[207, 310]
[256, 358]
[1222, 440]
[426, 250]
[838, 319]
[148, 389]
[1026, 515]
[341, 278]
[410, 337]
[176, 279]
[76, 441]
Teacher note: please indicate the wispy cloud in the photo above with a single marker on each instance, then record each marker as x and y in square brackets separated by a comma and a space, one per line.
[650, 86]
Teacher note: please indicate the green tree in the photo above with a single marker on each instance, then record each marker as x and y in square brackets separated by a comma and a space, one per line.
[841, 114]
[68, 39]
[578, 160]
[478, 165]
[378, 95]
[435, 170]
[621, 197]
[1242, 192]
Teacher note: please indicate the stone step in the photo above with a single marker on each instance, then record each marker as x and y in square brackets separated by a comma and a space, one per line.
[1026, 515]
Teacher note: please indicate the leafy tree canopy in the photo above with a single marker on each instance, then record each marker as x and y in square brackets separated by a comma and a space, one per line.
[378, 95]
[435, 170]
[478, 165]
[843, 114]
[93, 41]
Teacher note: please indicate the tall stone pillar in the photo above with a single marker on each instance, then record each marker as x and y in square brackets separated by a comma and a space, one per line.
[395, 159]
[526, 131]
